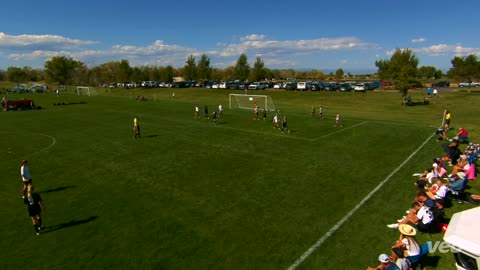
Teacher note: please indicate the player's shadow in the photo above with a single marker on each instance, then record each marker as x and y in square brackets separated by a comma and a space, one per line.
[57, 189]
[151, 136]
[69, 224]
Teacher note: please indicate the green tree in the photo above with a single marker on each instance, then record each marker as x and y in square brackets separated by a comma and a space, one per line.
[257, 73]
[60, 69]
[339, 74]
[167, 74]
[465, 68]
[16, 74]
[190, 68]
[123, 71]
[401, 69]
[427, 72]
[204, 71]
[242, 69]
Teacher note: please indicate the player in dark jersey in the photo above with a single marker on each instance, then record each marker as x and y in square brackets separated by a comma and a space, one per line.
[215, 117]
[34, 206]
[284, 124]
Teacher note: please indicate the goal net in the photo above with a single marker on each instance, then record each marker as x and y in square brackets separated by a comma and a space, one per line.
[247, 101]
[86, 91]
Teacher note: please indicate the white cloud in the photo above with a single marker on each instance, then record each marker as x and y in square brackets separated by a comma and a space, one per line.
[293, 46]
[252, 37]
[32, 41]
[419, 40]
[273, 52]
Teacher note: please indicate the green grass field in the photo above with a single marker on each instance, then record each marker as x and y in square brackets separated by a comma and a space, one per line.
[238, 195]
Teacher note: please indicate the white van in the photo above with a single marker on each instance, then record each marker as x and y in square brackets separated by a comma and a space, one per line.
[302, 86]
[463, 237]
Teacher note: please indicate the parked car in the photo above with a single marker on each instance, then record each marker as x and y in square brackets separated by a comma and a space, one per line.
[375, 85]
[441, 84]
[317, 86]
[345, 87]
[360, 87]
[302, 86]
[331, 86]
[469, 84]
[277, 86]
[222, 85]
[182, 84]
[256, 86]
[386, 83]
[290, 86]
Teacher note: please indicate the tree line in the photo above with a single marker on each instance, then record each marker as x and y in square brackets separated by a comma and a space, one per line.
[401, 69]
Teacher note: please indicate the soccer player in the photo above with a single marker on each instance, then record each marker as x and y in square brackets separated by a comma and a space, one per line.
[337, 120]
[320, 112]
[206, 112]
[447, 120]
[275, 121]
[215, 117]
[26, 178]
[255, 113]
[264, 114]
[220, 109]
[313, 112]
[34, 206]
[284, 124]
[197, 112]
[136, 127]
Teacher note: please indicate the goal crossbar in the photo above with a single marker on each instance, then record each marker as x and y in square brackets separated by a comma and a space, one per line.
[243, 101]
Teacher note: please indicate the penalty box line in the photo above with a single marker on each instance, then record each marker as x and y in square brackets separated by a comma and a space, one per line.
[337, 226]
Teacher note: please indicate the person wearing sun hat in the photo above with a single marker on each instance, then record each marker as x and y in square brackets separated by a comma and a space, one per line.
[385, 263]
[407, 241]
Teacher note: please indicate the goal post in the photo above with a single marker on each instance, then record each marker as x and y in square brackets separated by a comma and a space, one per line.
[86, 91]
[243, 101]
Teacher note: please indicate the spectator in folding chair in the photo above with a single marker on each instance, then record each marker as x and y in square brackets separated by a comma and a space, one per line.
[457, 186]
[461, 163]
[462, 135]
[471, 171]
[439, 191]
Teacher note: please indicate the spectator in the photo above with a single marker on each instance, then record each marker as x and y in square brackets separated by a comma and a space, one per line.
[462, 135]
[452, 152]
[420, 215]
[442, 133]
[401, 261]
[385, 264]
[407, 242]
[440, 190]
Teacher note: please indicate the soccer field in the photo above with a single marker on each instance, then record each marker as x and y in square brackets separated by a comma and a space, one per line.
[240, 194]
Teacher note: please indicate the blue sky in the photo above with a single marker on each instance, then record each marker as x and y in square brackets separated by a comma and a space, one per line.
[324, 35]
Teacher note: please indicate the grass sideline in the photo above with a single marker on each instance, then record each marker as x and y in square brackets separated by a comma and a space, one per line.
[239, 195]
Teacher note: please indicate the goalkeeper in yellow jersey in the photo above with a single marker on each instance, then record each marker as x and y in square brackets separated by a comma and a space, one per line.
[136, 127]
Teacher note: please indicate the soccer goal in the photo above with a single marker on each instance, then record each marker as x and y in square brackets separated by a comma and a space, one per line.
[247, 101]
[86, 91]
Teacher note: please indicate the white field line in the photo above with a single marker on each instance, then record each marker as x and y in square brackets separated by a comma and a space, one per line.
[54, 141]
[332, 230]
[266, 133]
[335, 132]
